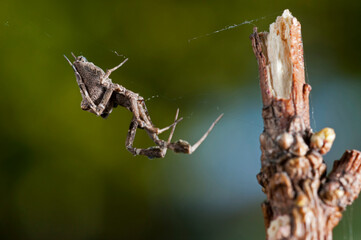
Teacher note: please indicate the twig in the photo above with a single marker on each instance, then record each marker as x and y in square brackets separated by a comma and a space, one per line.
[302, 203]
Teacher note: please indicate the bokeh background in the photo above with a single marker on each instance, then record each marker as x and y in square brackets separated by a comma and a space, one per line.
[65, 173]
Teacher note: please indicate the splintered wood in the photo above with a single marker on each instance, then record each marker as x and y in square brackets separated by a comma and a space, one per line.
[302, 201]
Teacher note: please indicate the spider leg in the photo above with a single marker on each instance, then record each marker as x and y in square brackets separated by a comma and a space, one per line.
[160, 150]
[162, 145]
[144, 110]
[101, 106]
[119, 88]
[73, 55]
[83, 91]
[173, 128]
[138, 112]
[68, 60]
[170, 126]
[107, 95]
[134, 107]
[130, 136]
[184, 147]
[149, 125]
[145, 116]
[109, 71]
[152, 152]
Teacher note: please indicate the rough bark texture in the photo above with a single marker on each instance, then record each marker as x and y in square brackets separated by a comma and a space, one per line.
[302, 202]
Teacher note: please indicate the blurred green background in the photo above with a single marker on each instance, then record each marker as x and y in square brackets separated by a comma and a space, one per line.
[65, 173]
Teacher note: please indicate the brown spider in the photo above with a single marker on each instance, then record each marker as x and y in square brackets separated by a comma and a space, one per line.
[100, 95]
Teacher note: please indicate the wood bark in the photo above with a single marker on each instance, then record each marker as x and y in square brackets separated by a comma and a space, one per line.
[302, 201]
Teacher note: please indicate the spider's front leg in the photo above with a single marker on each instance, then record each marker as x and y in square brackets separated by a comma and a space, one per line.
[83, 91]
[109, 71]
[110, 88]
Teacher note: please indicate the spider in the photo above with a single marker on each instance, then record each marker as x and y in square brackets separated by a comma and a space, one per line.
[100, 95]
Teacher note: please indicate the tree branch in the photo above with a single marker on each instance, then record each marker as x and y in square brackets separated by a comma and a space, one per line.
[298, 206]
[343, 184]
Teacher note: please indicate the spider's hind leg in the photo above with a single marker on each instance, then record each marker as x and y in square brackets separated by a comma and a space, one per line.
[152, 152]
[182, 146]
[158, 151]
[149, 125]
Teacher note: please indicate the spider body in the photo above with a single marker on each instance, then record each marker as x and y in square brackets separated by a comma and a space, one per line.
[92, 75]
[100, 95]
